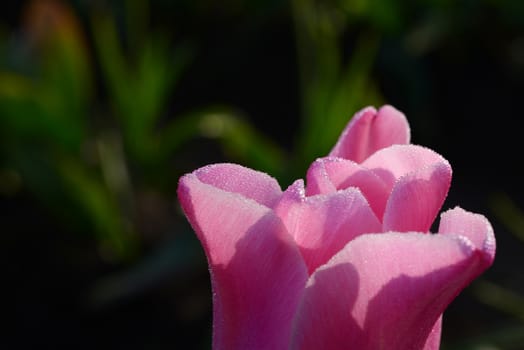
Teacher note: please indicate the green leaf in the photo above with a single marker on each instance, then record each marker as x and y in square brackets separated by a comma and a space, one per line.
[30, 111]
[114, 233]
[331, 91]
[352, 91]
[139, 86]
[238, 138]
[508, 213]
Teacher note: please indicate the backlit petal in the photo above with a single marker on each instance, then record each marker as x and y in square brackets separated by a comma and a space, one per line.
[329, 174]
[238, 179]
[369, 131]
[475, 227]
[433, 340]
[417, 198]
[391, 163]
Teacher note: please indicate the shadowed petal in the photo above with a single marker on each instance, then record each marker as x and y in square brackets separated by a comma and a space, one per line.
[324, 319]
[370, 131]
[417, 198]
[322, 225]
[326, 175]
[257, 272]
[403, 283]
[237, 179]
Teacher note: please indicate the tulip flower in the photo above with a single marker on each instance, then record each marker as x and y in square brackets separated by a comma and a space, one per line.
[345, 261]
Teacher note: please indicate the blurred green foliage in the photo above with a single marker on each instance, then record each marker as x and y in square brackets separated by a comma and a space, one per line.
[86, 126]
[85, 156]
[91, 155]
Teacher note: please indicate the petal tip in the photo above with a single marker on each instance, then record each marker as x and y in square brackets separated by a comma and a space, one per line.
[476, 227]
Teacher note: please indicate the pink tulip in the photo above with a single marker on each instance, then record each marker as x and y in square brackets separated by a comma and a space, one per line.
[345, 262]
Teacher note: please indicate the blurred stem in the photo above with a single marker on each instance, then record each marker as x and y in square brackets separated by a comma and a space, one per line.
[137, 20]
[508, 213]
[319, 65]
[352, 85]
[114, 170]
[115, 235]
[331, 90]
[500, 298]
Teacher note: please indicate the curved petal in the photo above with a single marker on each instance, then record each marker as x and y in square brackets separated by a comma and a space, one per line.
[238, 179]
[475, 227]
[417, 198]
[326, 175]
[384, 291]
[318, 178]
[433, 340]
[370, 131]
[391, 163]
[323, 224]
[257, 272]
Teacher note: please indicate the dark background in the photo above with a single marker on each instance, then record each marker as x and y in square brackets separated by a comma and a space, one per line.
[94, 249]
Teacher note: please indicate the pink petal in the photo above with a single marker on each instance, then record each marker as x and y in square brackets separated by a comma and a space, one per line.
[475, 227]
[329, 174]
[417, 198]
[391, 163]
[237, 179]
[322, 225]
[257, 272]
[370, 131]
[384, 291]
[433, 340]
